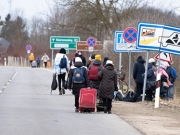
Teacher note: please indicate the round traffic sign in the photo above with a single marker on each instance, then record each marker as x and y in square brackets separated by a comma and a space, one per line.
[91, 41]
[28, 47]
[130, 34]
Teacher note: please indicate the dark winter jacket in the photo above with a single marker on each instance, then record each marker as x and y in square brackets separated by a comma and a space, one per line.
[92, 83]
[83, 60]
[108, 82]
[139, 70]
[150, 73]
[74, 86]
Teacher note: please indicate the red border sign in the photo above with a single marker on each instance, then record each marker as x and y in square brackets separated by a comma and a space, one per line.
[130, 34]
[91, 41]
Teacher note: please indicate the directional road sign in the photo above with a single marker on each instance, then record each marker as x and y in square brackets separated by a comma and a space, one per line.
[159, 38]
[67, 42]
[91, 41]
[28, 47]
[130, 35]
[82, 46]
[120, 45]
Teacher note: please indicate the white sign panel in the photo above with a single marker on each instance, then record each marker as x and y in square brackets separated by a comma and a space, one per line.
[120, 45]
[159, 38]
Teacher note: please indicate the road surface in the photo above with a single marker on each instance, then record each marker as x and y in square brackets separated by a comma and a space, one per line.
[28, 108]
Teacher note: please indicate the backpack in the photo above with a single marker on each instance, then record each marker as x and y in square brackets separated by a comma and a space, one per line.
[130, 97]
[63, 62]
[172, 78]
[93, 73]
[78, 76]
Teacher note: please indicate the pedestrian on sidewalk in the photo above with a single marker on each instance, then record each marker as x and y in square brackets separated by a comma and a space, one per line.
[38, 61]
[78, 79]
[45, 59]
[31, 58]
[61, 66]
[108, 84]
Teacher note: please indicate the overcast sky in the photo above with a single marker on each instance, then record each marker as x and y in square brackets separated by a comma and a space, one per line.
[32, 8]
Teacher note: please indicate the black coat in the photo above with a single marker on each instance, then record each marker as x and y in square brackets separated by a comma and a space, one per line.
[150, 73]
[74, 86]
[83, 60]
[139, 70]
[108, 82]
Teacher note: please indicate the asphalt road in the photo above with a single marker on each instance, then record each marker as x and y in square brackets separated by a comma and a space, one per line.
[28, 108]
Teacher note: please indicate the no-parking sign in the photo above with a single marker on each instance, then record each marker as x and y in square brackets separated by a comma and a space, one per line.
[130, 35]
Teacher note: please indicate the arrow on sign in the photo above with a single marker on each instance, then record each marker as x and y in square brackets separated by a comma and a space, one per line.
[53, 39]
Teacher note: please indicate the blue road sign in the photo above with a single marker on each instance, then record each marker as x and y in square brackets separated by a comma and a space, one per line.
[120, 45]
[28, 47]
[91, 41]
[130, 35]
[158, 37]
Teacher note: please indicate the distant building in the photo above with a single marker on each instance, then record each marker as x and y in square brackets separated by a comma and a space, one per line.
[4, 44]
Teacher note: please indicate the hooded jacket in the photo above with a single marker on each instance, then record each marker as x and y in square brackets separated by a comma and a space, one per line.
[31, 57]
[108, 82]
[139, 70]
[150, 73]
[57, 60]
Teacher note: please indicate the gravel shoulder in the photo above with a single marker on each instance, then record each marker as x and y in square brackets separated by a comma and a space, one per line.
[148, 120]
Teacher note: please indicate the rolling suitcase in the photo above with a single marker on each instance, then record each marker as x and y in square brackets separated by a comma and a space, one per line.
[87, 100]
[34, 64]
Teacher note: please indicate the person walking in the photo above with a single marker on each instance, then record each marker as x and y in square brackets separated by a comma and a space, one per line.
[82, 57]
[61, 66]
[93, 72]
[108, 84]
[78, 79]
[31, 58]
[38, 61]
[45, 59]
[138, 72]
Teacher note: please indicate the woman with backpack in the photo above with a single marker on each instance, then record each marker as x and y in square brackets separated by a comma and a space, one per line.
[108, 84]
[78, 79]
[61, 66]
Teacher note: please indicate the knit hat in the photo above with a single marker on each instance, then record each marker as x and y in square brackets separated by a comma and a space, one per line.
[140, 57]
[93, 56]
[109, 62]
[151, 60]
[98, 57]
[78, 59]
[62, 50]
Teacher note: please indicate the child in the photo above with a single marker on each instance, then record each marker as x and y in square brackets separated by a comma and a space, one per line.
[77, 79]
[108, 83]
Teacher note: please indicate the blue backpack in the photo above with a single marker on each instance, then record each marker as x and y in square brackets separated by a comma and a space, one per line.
[63, 62]
[78, 76]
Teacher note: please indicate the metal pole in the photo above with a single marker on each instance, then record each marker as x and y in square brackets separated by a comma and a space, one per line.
[145, 76]
[52, 58]
[158, 79]
[129, 82]
[120, 61]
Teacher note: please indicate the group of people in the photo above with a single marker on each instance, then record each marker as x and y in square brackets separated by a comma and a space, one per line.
[95, 74]
[44, 58]
[168, 76]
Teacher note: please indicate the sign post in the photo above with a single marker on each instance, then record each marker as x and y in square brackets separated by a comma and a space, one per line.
[91, 42]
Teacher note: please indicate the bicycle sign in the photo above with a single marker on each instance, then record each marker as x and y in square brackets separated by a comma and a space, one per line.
[130, 34]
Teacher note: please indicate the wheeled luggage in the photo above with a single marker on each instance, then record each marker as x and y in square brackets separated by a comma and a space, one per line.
[34, 64]
[99, 104]
[87, 100]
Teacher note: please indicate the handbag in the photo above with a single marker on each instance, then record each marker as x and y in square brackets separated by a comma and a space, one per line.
[165, 85]
[54, 83]
[151, 85]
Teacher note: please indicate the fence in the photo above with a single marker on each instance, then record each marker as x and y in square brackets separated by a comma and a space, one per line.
[16, 61]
